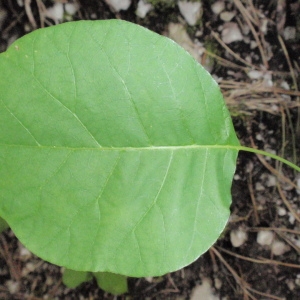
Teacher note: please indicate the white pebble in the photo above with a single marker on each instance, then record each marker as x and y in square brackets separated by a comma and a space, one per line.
[13, 286]
[291, 218]
[253, 44]
[264, 25]
[231, 33]
[227, 16]
[56, 12]
[118, 5]
[203, 291]
[289, 33]
[281, 211]
[259, 137]
[236, 177]
[265, 237]
[24, 253]
[191, 11]
[71, 8]
[255, 74]
[218, 283]
[143, 8]
[259, 187]
[178, 33]
[279, 248]
[217, 7]
[238, 237]
[272, 181]
[285, 85]
[296, 242]
[291, 285]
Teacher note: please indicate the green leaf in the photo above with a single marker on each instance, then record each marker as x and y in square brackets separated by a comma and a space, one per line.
[112, 283]
[73, 278]
[117, 151]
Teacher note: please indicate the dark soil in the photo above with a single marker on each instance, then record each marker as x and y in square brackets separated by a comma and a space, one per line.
[24, 276]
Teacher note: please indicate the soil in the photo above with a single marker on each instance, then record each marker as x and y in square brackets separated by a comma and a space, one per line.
[262, 199]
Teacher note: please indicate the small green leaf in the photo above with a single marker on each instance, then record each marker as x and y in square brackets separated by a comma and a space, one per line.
[73, 278]
[112, 283]
[117, 151]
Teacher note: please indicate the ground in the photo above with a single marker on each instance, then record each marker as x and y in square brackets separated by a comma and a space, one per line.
[257, 256]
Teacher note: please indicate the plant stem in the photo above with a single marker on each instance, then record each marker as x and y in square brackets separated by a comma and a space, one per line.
[265, 153]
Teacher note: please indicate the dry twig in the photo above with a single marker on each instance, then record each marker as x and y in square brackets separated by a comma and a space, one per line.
[287, 203]
[29, 13]
[249, 20]
[242, 283]
[251, 191]
[262, 260]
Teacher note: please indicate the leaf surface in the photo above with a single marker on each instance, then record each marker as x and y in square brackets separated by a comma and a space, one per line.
[117, 151]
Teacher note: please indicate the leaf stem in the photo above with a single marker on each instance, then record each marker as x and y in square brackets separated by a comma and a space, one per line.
[265, 153]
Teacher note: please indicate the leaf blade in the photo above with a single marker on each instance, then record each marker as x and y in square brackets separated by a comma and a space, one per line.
[112, 170]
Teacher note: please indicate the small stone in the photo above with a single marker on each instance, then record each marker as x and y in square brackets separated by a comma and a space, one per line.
[259, 187]
[237, 177]
[285, 85]
[262, 126]
[29, 267]
[255, 74]
[71, 8]
[296, 241]
[227, 16]
[253, 44]
[281, 211]
[143, 8]
[118, 5]
[149, 279]
[238, 237]
[25, 254]
[191, 11]
[291, 218]
[279, 247]
[218, 283]
[259, 137]
[231, 33]
[265, 237]
[272, 181]
[290, 284]
[203, 291]
[289, 33]
[297, 281]
[49, 281]
[218, 7]
[264, 26]
[13, 286]
[178, 33]
[56, 12]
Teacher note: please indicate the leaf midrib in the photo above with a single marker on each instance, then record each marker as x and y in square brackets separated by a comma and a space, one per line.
[127, 148]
